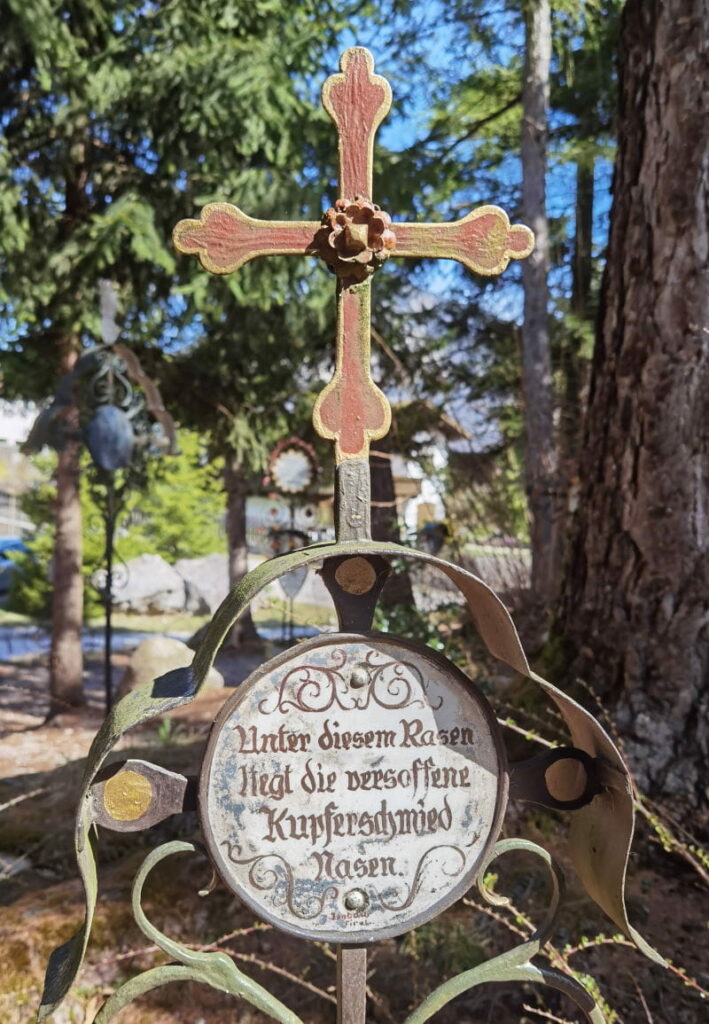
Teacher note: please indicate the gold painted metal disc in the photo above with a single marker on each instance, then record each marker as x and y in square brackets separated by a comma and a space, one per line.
[127, 796]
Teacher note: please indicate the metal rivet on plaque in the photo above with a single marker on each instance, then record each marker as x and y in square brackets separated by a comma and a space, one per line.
[359, 678]
[356, 899]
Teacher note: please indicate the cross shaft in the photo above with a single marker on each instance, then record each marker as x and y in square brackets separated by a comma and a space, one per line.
[354, 238]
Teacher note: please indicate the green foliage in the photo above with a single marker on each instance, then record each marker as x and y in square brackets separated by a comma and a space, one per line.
[444, 946]
[485, 496]
[179, 512]
[30, 587]
[176, 515]
[440, 629]
[121, 119]
[407, 620]
[118, 121]
[169, 732]
[469, 155]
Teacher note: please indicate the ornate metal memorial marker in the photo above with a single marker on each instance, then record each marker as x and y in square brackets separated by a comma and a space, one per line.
[354, 787]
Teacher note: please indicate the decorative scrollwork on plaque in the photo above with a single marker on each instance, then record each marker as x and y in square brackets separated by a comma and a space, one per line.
[424, 863]
[266, 877]
[316, 688]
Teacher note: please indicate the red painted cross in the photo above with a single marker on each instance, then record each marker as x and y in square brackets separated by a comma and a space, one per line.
[354, 238]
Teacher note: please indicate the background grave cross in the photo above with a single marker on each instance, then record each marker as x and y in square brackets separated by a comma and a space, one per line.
[354, 238]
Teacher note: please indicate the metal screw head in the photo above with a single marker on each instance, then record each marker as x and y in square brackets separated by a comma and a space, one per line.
[359, 678]
[356, 899]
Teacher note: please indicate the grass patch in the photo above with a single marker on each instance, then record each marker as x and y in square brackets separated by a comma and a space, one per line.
[169, 622]
[8, 618]
[271, 612]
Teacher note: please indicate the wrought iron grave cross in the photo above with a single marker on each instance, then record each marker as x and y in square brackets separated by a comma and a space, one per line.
[353, 786]
[354, 238]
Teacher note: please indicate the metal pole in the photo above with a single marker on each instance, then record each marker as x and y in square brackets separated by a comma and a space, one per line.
[290, 599]
[108, 593]
[351, 984]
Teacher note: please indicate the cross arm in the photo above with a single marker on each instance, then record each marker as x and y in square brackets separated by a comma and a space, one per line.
[224, 238]
[357, 100]
[352, 411]
[484, 241]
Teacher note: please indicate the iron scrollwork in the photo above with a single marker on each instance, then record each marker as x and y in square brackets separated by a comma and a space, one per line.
[515, 964]
[213, 968]
[217, 969]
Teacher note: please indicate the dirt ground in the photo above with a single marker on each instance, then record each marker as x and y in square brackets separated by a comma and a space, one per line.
[41, 896]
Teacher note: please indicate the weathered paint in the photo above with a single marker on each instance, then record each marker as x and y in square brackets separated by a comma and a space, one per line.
[352, 410]
[127, 796]
[132, 795]
[484, 241]
[224, 238]
[351, 787]
[356, 575]
[601, 865]
[357, 100]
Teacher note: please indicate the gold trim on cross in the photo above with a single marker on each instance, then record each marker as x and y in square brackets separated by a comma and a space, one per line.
[354, 238]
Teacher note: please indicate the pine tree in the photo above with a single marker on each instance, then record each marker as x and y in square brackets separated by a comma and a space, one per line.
[118, 120]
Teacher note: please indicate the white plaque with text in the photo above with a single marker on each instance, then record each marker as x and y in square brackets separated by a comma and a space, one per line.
[351, 787]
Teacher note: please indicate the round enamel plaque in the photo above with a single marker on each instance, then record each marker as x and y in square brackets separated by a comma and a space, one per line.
[351, 787]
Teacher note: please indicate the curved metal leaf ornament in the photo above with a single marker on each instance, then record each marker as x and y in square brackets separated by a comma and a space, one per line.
[210, 968]
[516, 964]
[601, 865]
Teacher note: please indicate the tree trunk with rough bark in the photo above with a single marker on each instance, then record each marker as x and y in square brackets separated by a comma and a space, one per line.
[66, 656]
[537, 384]
[636, 600]
[574, 367]
[236, 487]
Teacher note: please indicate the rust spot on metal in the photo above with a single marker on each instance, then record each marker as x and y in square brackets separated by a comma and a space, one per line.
[355, 239]
[566, 780]
[127, 796]
[356, 576]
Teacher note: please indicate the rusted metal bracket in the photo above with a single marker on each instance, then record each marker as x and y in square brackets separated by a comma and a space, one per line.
[562, 779]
